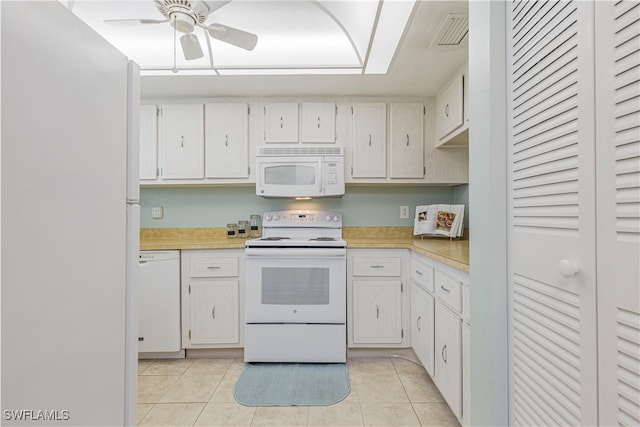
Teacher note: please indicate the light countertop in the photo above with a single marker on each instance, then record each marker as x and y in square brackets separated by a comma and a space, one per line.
[454, 253]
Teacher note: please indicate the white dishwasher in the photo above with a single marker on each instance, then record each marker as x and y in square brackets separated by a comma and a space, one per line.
[159, 305]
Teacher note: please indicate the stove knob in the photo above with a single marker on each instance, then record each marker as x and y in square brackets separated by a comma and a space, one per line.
[328, 218]
[267, 217]
[276, 217]
[335, 218]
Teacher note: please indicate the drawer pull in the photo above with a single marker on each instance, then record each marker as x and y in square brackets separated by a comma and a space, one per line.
[445, 289]
[418, 323]
[213, 312]
[419, 273]
[377, 312]
[444, 353]
[214, 267]
[377, 266]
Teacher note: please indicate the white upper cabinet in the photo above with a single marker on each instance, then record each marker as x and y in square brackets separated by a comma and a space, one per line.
[281, 122]
[407, 140]
[148, 142]
[452, 112]
[449, 107]
[181, 141]
[318, 122]
[369, 139]
[227, 140]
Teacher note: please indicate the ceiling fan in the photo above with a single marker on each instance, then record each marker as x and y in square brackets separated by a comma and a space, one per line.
[185, 15]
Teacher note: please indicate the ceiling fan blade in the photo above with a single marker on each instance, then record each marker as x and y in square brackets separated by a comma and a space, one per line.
[201, 7]
[214, 5]
[191, 47]
[234, 36]
[129, 22]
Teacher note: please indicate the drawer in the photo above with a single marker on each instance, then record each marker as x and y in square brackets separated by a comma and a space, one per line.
[211, 266]
[374, 266]
[466, 304]
[422, 275]
[449, 290]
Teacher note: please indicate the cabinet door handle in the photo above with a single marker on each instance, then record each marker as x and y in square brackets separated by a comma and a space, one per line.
[226, 140]
[407, 140]
[444, 353]
[281, 123]
[182, 141]
[369, 140]
[214, 267]
[419, 273]
[377, 312]
[445, 289]
[377, 266]
[213, 312]
[418, 323]
[446, 110]
[318, 122]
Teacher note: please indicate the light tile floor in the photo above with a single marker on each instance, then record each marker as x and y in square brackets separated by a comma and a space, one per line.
[199, 392]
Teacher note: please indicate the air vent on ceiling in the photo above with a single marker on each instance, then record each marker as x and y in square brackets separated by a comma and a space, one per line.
[453, 30]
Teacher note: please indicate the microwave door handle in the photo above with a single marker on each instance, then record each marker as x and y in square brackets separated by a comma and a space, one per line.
[320, 191]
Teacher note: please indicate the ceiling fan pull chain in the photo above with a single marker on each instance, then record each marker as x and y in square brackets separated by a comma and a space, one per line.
[175, 68]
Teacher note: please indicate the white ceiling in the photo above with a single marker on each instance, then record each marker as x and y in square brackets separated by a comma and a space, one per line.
[416, 69]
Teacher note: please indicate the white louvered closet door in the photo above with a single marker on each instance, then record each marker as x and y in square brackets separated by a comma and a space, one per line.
[618, 209]
[551, 199]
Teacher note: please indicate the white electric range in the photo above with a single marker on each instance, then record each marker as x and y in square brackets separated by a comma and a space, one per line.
[295, 293]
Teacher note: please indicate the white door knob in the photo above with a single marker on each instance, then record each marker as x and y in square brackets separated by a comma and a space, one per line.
[567, 268]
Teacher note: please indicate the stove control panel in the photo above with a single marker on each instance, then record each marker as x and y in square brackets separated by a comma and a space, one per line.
[302, 219]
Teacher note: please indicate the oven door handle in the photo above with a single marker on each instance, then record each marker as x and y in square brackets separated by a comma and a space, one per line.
[296, 252]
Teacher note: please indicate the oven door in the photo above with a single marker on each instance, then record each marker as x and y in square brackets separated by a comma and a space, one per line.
[290, 177]
[295, 285]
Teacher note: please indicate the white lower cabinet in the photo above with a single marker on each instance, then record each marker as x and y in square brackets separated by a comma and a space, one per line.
[440, 332]
[422, 328]
[466, 377]
[214, 312]
[212, 289]
[448, 367]
[378, 306]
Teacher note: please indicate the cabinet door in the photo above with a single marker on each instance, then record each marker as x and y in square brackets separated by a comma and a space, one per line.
[449, 107]
[407, 141]
[369, 140]
[281, 122]
[422, 329]
[448, 368]
[148, 142]
[181, 141]
[377, 312]
[466, 375]
[318, 122]
[214, 312]
[227, 140]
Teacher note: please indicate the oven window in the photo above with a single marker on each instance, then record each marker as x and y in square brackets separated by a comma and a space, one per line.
[295, 285]
[290, 175]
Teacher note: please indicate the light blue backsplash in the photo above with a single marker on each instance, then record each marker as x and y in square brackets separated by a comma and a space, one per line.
[196, 207]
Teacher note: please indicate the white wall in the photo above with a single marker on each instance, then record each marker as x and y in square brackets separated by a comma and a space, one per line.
[487, 199]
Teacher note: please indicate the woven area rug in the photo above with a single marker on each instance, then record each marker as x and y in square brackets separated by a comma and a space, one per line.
[292, 384]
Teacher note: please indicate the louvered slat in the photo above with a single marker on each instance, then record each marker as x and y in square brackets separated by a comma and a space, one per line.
[628, 362]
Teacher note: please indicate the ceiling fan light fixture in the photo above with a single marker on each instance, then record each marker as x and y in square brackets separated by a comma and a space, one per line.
[182, 22]
[191, 47]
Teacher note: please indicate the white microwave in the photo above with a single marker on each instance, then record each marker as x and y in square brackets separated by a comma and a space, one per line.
[299, 171]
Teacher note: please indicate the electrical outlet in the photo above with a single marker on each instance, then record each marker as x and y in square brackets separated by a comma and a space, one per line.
[157, 212]
[404, 212]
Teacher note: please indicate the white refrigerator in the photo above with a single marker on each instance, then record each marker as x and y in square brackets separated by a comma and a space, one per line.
[70, 221]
